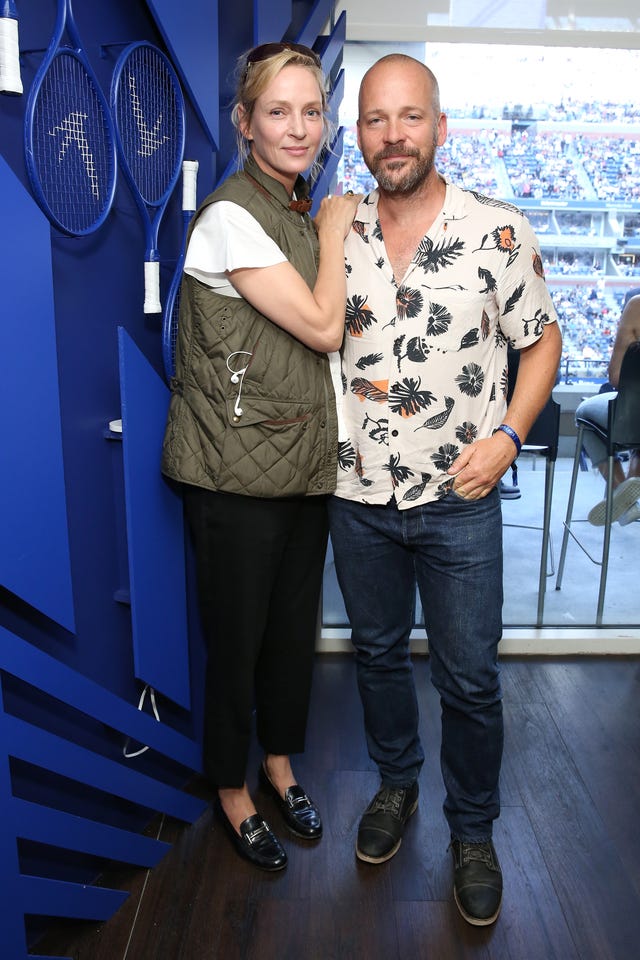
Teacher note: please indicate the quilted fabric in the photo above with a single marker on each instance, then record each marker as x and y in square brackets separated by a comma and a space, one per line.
[285, 441]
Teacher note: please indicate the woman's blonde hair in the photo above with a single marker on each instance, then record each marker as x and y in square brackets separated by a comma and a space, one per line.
[254, 76]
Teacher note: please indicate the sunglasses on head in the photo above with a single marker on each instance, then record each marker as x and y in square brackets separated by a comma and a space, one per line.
[266, 50]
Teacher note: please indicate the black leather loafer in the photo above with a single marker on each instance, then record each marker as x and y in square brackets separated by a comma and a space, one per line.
[255, 842]
[298, 811]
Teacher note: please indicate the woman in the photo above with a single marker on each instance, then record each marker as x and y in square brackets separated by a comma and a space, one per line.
[252, 432]
[626, 486]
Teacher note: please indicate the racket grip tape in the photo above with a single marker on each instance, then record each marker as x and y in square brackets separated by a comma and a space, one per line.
[152, 287]
[10, 80]
[189, 184]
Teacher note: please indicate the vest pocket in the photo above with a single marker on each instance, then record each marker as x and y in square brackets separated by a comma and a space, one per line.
[270, 449]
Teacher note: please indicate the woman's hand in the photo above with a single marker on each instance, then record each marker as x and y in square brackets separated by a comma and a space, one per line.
[337, 213]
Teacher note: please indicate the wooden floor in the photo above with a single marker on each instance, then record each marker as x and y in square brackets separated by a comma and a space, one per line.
[568, 839]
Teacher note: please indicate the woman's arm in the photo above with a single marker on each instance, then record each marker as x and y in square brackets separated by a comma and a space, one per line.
[628, 332]
[315, 317]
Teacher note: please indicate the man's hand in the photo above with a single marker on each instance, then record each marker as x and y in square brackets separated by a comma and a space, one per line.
[481, 465]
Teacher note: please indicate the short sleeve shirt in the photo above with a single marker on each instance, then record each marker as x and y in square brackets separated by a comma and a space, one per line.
[424, 360]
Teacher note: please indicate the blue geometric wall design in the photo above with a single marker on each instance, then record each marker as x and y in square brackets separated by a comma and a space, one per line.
[34, 539]
[22, 739]
[190, 31]
[83, 744]
[155, 532]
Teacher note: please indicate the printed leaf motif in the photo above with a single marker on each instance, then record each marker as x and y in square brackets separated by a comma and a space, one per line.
[398, 473]
[346, 455]
[359, 468]
[514, 298]
[360, 227]
[492, 202]
[369, 360]
[370, 390]
[438, 420]
[432, 259]
[470, 339]
[358, 315]
[407, 399]
[489, 279]
[413, 493]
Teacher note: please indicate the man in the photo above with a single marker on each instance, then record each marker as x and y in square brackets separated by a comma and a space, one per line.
[439, 281]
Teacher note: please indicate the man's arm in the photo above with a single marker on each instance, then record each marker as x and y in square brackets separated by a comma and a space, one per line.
[628, 331]
[481, 465]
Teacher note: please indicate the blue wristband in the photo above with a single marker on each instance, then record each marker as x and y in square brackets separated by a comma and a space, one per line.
[510, 432]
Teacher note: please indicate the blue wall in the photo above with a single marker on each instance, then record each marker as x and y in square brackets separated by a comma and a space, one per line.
[95, 603]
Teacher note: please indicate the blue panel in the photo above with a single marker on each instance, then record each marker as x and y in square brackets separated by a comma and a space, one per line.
[69, 760]
[26, 662]
[330, 47]
[58, 898]
[14, 942]
[34, 557]
[155, 532]
[190, 31]
[46, 825]
[271, 20]
[315, 21]
[336, 97]
[324, 184]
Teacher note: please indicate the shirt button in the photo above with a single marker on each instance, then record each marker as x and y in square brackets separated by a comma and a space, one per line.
[394, 433]
[323, 424]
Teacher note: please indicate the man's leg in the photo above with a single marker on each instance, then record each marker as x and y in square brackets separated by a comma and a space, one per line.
[460, 578]
[376, 575]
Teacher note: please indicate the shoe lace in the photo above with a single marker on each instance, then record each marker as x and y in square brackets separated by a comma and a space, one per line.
[388, 800]
[480, 852]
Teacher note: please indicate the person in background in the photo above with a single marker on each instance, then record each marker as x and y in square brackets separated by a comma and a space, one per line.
[252, 435]
[439, 282]
[626, 486]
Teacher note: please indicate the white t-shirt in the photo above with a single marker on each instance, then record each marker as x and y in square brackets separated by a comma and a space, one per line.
[226, 237]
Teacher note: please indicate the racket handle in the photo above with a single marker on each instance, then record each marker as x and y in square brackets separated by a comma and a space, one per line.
[152, 287]
[10, 80]
[189, 184]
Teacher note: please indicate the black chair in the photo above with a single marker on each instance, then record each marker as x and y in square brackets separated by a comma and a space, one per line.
[622, 433]
[542, 440]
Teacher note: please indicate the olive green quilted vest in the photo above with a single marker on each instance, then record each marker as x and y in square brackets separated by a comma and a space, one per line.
[278, 435]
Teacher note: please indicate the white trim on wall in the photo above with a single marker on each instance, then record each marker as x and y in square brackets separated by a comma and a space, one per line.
[522, 641]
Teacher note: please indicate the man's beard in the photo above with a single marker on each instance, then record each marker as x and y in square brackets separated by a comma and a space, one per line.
[411, 179]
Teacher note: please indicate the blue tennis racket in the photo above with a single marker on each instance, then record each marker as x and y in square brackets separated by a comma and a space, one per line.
[172, 304]
[148, 110]
[10, 80]
[69, 137]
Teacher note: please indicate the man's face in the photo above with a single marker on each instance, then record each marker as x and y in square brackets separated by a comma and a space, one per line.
[399, 127]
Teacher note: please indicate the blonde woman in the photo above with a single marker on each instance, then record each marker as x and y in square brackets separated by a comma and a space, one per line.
[252, 433]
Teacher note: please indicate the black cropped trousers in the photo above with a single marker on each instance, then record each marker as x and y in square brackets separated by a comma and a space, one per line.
[259, 566]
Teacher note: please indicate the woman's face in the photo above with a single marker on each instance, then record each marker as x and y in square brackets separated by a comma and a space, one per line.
[286, 128]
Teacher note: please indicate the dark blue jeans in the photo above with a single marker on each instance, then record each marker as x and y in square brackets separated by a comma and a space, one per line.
[452, 550]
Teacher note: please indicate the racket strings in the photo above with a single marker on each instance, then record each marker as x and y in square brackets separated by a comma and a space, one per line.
[149, 122]
[72, 149]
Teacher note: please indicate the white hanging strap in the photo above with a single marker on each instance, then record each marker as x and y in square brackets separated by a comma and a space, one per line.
[152, 697]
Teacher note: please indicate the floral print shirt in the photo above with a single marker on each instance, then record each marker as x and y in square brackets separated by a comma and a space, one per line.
[424, 360]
